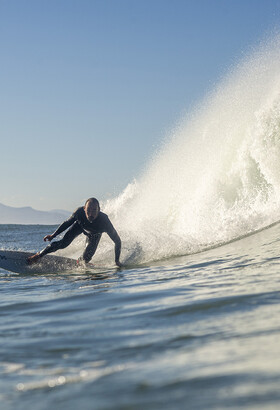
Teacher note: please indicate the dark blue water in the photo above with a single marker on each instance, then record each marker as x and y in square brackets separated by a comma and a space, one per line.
[196, 332]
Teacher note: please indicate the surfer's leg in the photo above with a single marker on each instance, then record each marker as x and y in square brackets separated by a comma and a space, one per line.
[70, 235]
[92, 244]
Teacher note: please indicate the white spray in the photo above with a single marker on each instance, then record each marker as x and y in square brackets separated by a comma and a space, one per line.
[216, 179]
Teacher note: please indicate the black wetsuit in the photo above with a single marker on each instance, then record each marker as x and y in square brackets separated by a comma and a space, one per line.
[93, 230]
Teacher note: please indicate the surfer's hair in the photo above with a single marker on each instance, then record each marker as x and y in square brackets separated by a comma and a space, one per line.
[93, 201]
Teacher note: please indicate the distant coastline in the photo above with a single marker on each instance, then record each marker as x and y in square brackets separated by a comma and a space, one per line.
[29, 216]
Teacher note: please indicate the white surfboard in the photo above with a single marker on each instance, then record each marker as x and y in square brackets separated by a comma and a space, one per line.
[15, 261]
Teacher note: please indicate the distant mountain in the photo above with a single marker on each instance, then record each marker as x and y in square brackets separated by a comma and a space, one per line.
[60, 212]
[29, 216]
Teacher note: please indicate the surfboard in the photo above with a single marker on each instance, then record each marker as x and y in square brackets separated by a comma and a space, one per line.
[14, 261]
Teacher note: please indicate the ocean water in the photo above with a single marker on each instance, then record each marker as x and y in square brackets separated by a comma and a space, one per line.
[192, 320]
[194, 332]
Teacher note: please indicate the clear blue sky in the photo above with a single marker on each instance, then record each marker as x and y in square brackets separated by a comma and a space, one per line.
[89, 88]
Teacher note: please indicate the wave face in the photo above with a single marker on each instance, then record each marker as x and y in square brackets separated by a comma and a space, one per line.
[217, 177]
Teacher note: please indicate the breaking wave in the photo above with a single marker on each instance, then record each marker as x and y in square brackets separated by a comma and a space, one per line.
[216, 177]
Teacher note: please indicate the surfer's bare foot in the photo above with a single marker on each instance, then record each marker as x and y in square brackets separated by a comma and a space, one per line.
[33, 258]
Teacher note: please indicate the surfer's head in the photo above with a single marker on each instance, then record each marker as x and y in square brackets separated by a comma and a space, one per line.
[92, 209]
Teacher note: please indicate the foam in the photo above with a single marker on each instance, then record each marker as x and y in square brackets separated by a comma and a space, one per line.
[217, 176]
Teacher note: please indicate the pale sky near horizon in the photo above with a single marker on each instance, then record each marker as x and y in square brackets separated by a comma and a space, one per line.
[88, 89]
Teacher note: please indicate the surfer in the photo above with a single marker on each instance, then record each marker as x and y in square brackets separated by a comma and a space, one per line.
[88, 220]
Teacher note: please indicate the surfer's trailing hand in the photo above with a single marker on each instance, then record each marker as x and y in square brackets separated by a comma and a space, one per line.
[48, 238]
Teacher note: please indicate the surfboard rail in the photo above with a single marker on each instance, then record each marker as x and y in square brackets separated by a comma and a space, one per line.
[16, 261]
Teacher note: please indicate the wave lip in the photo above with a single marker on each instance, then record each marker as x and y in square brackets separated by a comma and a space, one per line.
[216, 177]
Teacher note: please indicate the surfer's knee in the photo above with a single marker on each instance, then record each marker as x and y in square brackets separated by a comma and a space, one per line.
[52, 247]
[63, 243]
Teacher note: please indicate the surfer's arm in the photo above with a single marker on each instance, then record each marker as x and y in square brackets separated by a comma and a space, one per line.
[117, 240]
[62, 227]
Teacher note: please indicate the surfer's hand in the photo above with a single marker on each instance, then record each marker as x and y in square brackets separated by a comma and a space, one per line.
[118, 264]
[48, 238]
